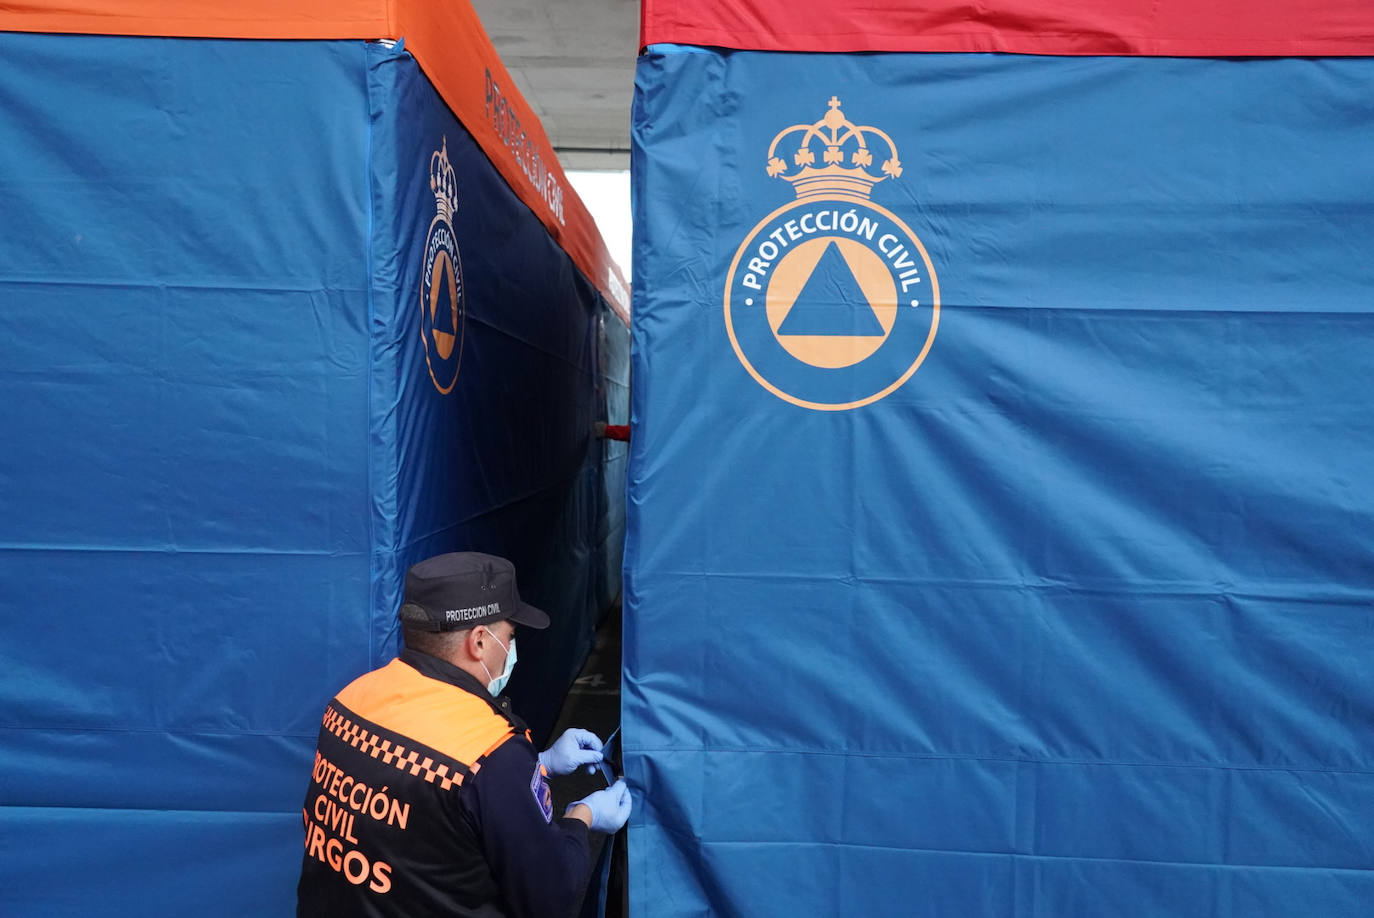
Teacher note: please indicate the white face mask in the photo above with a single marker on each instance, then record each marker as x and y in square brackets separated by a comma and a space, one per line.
[497, 684]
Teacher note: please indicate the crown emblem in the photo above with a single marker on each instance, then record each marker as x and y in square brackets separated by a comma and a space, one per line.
[443, 183]
[845, 156]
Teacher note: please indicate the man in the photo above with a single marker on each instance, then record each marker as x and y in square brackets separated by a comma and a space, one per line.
[427, 797]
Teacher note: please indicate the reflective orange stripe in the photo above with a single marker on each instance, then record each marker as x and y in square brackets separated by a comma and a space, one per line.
[443, 717]
[493, 747]
[364, 740]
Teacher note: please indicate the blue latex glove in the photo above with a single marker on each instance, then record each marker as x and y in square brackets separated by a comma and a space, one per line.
[571, 751]
[610, 807]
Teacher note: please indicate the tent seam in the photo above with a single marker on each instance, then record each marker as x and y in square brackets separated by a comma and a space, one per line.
[371, 352]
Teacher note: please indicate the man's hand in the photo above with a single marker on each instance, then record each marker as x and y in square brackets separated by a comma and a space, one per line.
[606, 810]
[571, 751]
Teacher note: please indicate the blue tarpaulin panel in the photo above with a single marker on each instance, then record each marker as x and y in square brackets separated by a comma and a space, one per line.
[254, 367]
[1001, 520]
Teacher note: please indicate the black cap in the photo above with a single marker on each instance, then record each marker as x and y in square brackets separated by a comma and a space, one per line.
[463, 589]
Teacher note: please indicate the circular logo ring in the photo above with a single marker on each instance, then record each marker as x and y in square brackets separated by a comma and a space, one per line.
[891, 387]
[443, 274]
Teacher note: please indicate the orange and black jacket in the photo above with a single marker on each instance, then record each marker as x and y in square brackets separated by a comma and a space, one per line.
[427, 798]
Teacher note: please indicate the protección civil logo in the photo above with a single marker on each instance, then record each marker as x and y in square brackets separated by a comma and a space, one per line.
[441, 279]
[832, 302]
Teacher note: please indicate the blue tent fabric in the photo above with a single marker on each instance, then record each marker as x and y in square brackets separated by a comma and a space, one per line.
[509, 459]
[1078, 618]
[223, 443]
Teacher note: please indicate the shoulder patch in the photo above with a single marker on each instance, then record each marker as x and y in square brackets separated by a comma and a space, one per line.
[543, 796]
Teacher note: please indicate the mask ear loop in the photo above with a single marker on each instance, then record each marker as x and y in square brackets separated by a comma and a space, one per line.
[498, 640]
[490, 677]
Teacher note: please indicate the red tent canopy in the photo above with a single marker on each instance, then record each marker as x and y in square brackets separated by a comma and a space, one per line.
[1183, 28]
